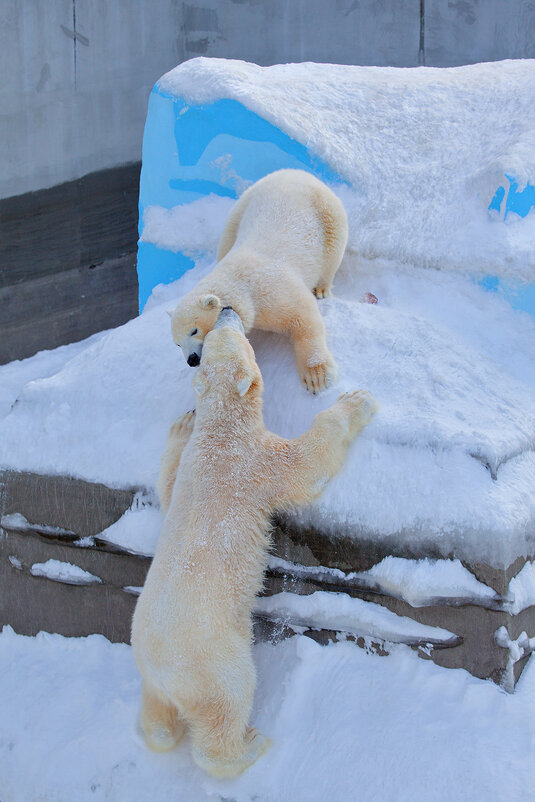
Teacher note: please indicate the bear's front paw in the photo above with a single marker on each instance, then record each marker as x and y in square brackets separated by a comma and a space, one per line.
[318, 375]
[322, 291]
[183, 426]
[362, 404]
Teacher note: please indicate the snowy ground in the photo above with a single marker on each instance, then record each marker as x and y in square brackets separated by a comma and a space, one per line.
[346, 726]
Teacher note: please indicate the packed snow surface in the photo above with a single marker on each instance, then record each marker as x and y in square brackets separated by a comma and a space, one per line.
[451, 365]
[345, 725]
[422, 150]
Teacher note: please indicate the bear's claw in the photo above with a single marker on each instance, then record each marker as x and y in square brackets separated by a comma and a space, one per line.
[362, 402]
[322, 291]
[183, 426]
[318, 377]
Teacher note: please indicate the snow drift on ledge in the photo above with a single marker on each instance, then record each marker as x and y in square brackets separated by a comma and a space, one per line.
[423, 150]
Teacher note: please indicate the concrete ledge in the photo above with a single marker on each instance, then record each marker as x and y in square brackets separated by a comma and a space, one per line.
[67, 514]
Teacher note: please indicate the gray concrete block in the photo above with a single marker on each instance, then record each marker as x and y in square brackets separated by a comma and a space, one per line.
[66, 307]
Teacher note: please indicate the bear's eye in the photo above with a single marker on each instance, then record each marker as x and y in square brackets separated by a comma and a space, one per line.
[193, 332]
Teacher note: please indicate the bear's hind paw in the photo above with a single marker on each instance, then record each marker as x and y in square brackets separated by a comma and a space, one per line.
[256, 743]
[160, 738]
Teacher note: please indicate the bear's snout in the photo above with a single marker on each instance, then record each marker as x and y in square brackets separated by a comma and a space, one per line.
[193, 360]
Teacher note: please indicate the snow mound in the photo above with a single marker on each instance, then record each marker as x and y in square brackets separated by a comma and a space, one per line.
[423, 151]
[449, 459]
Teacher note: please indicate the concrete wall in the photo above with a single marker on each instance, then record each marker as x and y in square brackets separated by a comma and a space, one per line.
[77, 73]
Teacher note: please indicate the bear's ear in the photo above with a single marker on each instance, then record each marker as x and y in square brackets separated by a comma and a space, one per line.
[244, 380]
[210, 302]
[198, 386]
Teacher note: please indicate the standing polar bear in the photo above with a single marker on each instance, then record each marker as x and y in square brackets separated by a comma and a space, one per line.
[222, 476]
[282, 244]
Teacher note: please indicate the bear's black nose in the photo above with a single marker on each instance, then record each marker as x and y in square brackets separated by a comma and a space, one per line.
[193, 360]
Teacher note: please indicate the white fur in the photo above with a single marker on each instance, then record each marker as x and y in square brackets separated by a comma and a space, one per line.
[223, 475]
[281, 246]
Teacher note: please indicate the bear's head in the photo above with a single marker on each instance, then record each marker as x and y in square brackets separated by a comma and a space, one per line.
[228, 366]
[191, 321]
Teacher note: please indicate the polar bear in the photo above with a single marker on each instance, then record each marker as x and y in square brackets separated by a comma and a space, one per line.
[222, 476]
[282, 244]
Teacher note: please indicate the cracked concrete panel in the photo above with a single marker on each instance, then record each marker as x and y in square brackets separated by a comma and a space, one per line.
[78, 76]
[346, 32]
[469, 31]
[36, 63]
[129, 46]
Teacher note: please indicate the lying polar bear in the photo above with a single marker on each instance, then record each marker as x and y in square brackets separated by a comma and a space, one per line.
[222, 476]
[282, 244]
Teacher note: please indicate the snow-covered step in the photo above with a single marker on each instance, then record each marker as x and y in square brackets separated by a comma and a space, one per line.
[57, 579]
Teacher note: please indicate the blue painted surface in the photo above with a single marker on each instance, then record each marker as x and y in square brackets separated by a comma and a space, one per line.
[169, 265]
[193, 151]
[520, 202]
[520, 296]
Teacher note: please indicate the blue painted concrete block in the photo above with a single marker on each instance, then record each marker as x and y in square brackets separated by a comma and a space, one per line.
[192, 151]
[220, 148]
[520, 202]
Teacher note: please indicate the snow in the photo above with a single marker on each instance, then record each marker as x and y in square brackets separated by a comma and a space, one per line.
[418, 582]
[521, 589]
[518, 648]
[15, 375]
[64, 572]
[423, 150]
[453, 369]
[342, 613]
[138, 529]
[345, 724]
[17, 521]
[193, 228]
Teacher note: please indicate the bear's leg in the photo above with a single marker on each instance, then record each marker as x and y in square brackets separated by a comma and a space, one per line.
[312, 459]
[315, 365]
[159, 721]
[334, 223]
[177, 438]
[322, 289]
[223, 745]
